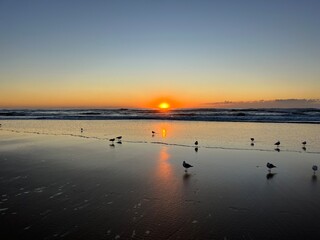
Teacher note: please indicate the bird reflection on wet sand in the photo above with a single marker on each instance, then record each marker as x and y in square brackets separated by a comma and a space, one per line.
[314, 178]
[186, 178]
[270, 175]
[196, 149]
[277, 149]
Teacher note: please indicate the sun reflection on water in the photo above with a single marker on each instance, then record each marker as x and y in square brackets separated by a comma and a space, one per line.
[164, 133]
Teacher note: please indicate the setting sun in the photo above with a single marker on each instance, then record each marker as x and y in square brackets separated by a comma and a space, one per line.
[164, 105]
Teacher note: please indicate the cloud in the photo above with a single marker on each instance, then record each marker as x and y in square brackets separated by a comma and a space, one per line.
[276, 103]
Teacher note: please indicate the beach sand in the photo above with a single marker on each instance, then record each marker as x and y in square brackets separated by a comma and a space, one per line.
[76, 186]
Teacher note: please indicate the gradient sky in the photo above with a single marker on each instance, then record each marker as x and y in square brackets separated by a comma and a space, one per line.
[137, 53]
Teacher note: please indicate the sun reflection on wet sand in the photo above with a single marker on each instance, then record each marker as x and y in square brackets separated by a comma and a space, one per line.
[164, 168]
[168, 211]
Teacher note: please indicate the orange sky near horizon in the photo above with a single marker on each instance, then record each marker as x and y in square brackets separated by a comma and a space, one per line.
[32, 91]
[102, 98]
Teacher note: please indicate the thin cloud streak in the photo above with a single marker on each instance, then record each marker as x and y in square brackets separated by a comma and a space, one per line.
[276, 103]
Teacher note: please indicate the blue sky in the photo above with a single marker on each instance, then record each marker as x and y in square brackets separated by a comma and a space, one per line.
[54, 52]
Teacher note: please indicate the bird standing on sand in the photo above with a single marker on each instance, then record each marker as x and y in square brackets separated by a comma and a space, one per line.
[314, 168]
[196, 143]
[304, 143]
[277, 143]
[81, 129]
[112, 140]
[119, 138]
[270, 166]
[186, 166]
[252, 139]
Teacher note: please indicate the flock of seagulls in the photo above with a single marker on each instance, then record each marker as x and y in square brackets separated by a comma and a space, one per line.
[119, 138]
[277, 144]
[186, 165]
[270, 166]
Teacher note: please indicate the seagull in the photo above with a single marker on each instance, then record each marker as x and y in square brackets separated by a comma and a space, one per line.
[314, 168]
[252, 139]
[186, 166]
[119, 138]
[304, 142]
[112, 139]
[270, 166]
[277, 143]
[196, 143]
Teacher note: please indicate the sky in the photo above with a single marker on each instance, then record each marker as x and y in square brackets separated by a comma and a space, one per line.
[62, 53]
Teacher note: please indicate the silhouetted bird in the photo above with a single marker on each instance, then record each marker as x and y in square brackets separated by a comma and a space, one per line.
[270, 166]
[196, 143]
[153, 132]
[112, 140]
[186, 165]
[304, 142]
[119, 138]
[81, 129]
[277, 143]
[314, 168]
[252, 139]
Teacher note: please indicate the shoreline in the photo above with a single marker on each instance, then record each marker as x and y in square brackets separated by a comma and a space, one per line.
[161, 143]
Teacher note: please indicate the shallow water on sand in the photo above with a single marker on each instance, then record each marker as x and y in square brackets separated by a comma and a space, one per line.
[62, 183]
[227, 135]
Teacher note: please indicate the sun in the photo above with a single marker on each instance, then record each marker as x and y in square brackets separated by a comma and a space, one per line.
[164, 105]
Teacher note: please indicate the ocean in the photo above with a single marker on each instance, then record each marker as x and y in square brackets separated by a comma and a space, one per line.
[292, 115]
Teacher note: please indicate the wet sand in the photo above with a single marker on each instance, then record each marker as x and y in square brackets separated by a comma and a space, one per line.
[82, 188]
